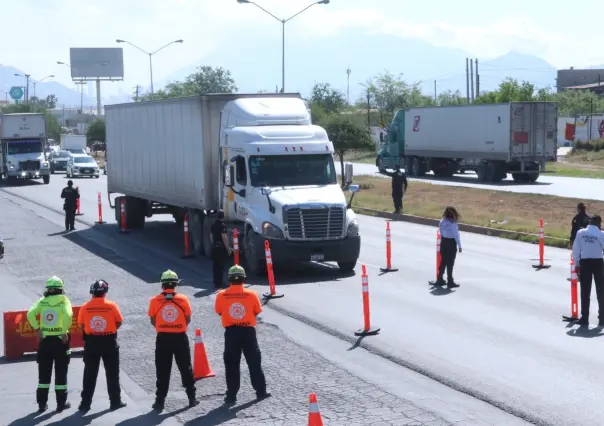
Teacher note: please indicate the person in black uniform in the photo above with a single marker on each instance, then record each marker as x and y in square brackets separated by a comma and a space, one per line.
[399, 187]
[580, 221]
[220, 249]
[71, 196]
[588, 249]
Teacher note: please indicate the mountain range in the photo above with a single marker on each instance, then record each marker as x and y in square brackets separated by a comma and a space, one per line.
[366, 54]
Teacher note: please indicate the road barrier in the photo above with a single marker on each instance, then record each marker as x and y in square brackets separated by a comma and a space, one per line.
[20, 338]
[78, 212]
[236, 246]
[123, 224]
[388, 267]
[367, 329]
[574, 294]
[272, 294]
[185, 227]
[541, 264]
[100, 204]
[201, 365]
[314, 414]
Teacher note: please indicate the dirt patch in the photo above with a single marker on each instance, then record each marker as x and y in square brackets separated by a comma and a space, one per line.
[495, 209]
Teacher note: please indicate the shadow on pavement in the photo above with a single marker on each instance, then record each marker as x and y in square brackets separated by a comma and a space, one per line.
[219, 415]
[31, 357]
[304, 273]
[80, 419]
[586, 332]
[152, 418]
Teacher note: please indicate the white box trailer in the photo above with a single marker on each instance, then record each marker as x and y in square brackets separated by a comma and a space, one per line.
[491, 139]
[256, 157]
[76, 144]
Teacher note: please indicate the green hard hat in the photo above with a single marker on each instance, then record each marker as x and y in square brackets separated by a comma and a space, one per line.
[169, 276]
[54, 282]
[236, 271]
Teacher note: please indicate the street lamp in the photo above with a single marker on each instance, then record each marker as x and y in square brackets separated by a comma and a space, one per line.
[40, 81]
[283, 22]
[26, 77]
[150, 55]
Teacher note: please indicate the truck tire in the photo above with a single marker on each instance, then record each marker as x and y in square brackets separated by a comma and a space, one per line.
[532, 176]
[481, 172]
[520, 177]
[490, 172]
[46, 179]
[196, 220]
[207, 245]
[347, 266]
[416, 168]
[380, 164]
[255, 265]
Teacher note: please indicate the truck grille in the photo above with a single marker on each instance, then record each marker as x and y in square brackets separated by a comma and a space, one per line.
[29, 165]
[324, 223]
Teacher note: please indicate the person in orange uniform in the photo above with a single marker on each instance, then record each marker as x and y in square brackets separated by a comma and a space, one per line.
[100, 319]
[238, 308]
[170, 314]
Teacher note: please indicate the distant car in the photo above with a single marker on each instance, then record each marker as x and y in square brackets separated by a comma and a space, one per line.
[58, 160]
[82, 166]
[77, 151]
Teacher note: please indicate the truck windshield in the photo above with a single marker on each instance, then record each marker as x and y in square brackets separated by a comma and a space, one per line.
[292, 170]
[83, 160]
[76, 150]
[24, 146]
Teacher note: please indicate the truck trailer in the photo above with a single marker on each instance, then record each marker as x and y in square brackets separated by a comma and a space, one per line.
[75, 144]
[490, 139]
[22, 145]
[256, 157]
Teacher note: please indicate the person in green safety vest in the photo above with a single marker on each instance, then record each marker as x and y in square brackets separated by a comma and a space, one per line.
[53, 346]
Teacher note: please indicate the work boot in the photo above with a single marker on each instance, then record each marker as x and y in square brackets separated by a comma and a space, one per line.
[440, 282]
[64, 406]
[452, 284]
[42, 408]
[263, 395]
[158, 405]
[192, 400]
[583, 321]
[117, 405]
[84, 406]
[230, 400]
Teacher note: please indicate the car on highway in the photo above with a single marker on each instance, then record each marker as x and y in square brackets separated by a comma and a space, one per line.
[82, 166]
[58, 160]
[77, 151]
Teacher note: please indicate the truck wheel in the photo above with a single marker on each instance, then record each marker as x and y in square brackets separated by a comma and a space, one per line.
[254, 265]
[46, 179]
[532, 177]
[519, 177]
[207, 245]
[490, 172]
[415, 167]
[481, 172]
[347, 266]
[380, 164]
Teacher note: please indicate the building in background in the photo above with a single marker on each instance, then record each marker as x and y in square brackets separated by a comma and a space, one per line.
[576, 79]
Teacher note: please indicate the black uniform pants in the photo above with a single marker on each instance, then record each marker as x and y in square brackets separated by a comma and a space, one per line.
[448, 253]
[239, 340]
[219, 257]
[52, 351]
[168, 346]
[97, 348]
[591, 268]
[70, 215]
[397, 199]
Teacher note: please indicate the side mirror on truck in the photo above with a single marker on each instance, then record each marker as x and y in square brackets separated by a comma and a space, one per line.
[228, 176]
[352, 189]
[348, 174]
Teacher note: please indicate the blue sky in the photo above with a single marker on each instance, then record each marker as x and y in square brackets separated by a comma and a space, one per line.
[46, 29]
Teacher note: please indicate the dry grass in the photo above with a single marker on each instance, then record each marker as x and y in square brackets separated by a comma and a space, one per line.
[99, 156]
[495, 209]
[593, 158]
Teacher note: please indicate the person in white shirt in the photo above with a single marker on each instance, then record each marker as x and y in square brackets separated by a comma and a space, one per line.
[450, 243]
[588, 249]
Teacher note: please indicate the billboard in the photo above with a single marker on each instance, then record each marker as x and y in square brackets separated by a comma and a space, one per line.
[92, 63]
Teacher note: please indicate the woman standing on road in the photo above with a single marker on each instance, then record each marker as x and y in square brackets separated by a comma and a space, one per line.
[449, 244]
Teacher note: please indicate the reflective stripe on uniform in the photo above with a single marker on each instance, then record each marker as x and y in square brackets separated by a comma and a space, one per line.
[68, 352]
[43, 385]
[313, 407]
[60, 387]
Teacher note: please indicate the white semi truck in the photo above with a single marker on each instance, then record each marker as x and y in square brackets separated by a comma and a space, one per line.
[22, 145]
[492, 140]
[257, 157]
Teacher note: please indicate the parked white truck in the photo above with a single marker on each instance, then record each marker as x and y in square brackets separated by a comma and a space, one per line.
[257, 157]
[492, 140]
[22, 143]
[75, 144]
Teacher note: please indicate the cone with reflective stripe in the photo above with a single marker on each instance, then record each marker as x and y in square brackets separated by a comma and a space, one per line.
[314, 415]
[201, 365]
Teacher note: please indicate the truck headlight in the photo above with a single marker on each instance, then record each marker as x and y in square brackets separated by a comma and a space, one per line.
[11, 167]
[44, 164]
[353, 229]
[271, 231]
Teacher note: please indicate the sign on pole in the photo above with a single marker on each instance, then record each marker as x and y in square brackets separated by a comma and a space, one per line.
[16, 93]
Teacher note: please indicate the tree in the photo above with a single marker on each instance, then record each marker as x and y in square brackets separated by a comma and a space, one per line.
[51, 102]
[205, 80]
[346, 136]
[330, 100]
[96, 131]
[449, 97]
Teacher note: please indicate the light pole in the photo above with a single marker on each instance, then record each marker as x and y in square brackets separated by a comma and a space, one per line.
[81, 83]
[26, 76]
[40, 81]
[283, 22]
[150, 55]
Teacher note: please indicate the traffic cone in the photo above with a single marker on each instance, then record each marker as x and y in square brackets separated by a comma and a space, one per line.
[314, 415]
[201, 365]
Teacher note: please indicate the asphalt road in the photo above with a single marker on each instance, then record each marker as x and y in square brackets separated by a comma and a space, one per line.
[355, 387]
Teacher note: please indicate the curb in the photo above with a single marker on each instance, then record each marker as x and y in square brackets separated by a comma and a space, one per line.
[482, 230]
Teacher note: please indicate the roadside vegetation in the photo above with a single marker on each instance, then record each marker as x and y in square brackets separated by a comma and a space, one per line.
[494, 209]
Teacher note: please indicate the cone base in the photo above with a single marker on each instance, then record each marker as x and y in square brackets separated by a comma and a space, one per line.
[100, 222]
[569, 319]
[388, 269]
[273, 296]
[371, 332]
[204, 376]
[542, 266]
[79, 214]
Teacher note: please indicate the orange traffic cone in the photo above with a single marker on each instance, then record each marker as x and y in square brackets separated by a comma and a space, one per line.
[201, 365]
[314, 415]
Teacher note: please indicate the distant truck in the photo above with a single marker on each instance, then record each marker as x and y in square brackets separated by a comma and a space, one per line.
[490, 139]
[257, 157]
[75, 144]
[22, 144]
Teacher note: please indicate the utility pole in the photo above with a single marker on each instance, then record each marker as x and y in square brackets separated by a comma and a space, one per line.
[477, 79]
[136, 93]
[467, 80]
[434, 90]
[348, 71]
[368, 111]
[471, 80]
